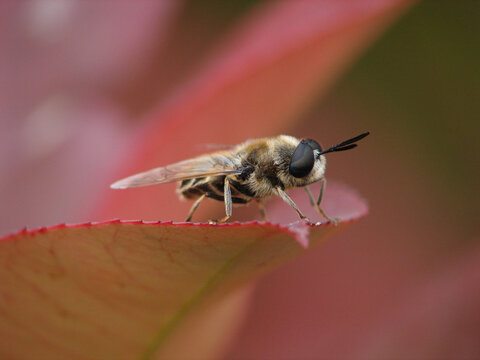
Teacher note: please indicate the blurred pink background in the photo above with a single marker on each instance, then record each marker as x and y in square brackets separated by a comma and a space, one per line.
[92, 91]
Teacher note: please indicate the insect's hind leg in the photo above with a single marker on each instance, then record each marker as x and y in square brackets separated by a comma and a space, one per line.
[194, 207]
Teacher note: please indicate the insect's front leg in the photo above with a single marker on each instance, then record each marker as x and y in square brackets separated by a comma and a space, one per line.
[319, 200]
[290, 202]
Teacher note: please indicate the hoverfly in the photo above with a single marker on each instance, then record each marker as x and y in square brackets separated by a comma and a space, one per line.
[253, 170]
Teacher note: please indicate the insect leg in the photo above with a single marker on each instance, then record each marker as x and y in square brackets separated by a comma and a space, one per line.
[322, 190]
[319, 200]
[261, 208]
[317, 204]
[310, 197]
[227, 194]
[290, 202]
[194, 207]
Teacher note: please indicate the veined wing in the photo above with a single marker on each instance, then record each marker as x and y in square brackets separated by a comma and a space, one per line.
[187, 169]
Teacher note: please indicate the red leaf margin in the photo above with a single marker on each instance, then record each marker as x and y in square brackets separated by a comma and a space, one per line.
[296, 229]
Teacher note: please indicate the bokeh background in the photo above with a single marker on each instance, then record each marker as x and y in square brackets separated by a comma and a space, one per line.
[80, 78]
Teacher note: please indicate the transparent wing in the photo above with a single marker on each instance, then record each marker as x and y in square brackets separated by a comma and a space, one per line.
[188, 169]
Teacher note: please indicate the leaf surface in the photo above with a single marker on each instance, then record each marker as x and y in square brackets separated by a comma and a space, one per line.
[125, 289]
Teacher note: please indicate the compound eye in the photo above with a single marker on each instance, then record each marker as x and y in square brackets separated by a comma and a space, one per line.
[302, 160]
[313, 144]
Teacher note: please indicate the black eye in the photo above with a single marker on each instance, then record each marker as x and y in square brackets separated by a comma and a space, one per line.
[313, 144]
[302, 160]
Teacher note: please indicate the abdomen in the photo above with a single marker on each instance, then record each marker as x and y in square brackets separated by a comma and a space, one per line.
[213, 187]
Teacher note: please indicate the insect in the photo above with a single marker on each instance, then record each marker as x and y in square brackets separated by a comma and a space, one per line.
[252, 171]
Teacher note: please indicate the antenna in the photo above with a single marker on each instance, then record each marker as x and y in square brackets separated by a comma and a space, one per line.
[345, 145]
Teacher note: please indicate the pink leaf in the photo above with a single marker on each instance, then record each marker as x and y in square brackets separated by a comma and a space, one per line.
[134, 289]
